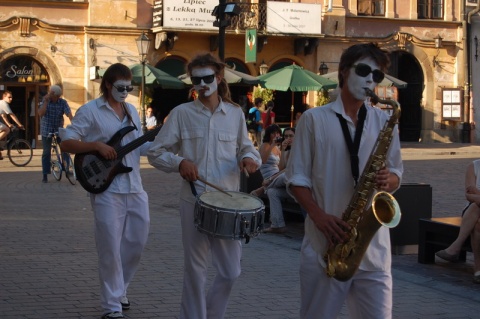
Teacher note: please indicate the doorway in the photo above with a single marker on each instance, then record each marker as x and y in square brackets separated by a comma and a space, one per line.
[406, 67]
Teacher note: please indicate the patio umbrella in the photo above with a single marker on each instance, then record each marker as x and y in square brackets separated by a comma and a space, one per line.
[295, 79]
[388, 81]
[231, 76]
[152, 76]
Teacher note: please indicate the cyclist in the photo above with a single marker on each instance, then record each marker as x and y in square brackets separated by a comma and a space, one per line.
[5, 112]
[52, 110]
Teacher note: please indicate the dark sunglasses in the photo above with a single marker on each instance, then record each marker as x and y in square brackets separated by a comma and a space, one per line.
[122, 89]
[363, 70]
[207, 79]
[289, 135]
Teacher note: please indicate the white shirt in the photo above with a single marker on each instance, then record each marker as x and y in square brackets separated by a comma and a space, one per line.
[320, 161]
[216, 143]
[97, 121]
[151, 121]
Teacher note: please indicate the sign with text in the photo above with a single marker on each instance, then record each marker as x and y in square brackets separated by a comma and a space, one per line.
[452, 101]
[189, 14]
[294, 18]
[251, 46]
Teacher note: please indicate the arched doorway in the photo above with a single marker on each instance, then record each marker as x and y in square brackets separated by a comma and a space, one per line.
[28, 80]
[406, 67]
[164, 100]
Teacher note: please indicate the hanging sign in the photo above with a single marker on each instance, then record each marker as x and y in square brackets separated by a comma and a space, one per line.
[251, 46]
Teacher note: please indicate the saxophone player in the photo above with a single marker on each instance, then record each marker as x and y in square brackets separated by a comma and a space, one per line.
[333, 146]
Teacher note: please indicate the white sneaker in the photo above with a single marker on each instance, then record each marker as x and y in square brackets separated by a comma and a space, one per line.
[125, 303]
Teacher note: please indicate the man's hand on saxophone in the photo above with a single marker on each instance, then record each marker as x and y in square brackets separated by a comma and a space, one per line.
[386, 181]
[333, 227]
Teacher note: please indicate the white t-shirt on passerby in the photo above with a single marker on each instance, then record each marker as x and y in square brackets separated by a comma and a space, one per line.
[4, 109]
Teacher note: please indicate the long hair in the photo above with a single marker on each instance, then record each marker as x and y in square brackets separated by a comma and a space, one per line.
[274, 128]
[117, 71]
[207, 59]
[360, 51]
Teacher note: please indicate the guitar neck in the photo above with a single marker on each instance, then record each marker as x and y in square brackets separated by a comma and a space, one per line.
[124, 150]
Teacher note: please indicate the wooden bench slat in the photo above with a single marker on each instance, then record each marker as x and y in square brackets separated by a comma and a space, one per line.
[436, 234]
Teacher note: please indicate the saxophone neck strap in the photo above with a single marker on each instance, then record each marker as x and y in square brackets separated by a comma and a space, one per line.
[354, 145]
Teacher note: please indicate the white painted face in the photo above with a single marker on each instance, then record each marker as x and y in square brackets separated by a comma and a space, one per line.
[121, 85]
[205, 89]
[356, 84]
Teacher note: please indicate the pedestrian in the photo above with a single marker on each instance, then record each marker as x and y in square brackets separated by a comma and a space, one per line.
[254, 121]
[151, 120]
[206, 138]
[6, 115]
[52, 109]
[121, 212]
[268, 117]
[321, 175]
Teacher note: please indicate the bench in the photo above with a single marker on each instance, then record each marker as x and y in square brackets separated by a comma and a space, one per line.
[436, 234]
[415, 200]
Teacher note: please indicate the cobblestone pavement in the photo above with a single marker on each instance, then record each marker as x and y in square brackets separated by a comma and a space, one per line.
[48, 260]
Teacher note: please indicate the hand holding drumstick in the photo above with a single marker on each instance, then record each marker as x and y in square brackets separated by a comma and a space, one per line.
[214, 186]
[248, 166]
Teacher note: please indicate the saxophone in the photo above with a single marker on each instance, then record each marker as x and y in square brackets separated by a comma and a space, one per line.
[344, 259]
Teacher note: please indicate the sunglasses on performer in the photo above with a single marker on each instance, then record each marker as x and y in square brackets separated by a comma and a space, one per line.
[207, 79]
[363, 70]
[122, 89]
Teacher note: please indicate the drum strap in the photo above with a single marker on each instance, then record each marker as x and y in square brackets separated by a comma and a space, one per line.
[194, 191]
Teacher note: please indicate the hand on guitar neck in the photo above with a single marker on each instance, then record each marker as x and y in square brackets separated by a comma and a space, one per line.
[96, 170]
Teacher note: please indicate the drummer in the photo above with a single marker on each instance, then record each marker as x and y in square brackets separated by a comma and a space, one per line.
[207, 139]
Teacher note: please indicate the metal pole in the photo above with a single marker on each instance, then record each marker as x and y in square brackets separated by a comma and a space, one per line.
[144, 123]
[221, 30]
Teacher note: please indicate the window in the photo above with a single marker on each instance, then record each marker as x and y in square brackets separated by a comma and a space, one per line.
[371, 7]
[430, 9]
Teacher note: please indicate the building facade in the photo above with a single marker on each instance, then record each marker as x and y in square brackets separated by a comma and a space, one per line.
[431, 43]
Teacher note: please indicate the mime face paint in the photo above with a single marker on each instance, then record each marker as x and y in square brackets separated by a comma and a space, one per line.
[203, 88]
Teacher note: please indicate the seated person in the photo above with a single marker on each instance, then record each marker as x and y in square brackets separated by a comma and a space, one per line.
[470, 225]
[276, 190]
[270, 153]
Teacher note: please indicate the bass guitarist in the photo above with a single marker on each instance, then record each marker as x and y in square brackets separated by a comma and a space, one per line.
[121, 212]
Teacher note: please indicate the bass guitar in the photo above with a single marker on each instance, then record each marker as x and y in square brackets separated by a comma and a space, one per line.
[95, 173]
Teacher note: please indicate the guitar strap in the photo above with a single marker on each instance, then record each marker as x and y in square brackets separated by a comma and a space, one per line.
[355, 144]
[128, 115]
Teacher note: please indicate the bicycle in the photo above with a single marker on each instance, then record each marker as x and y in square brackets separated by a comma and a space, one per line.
[61, 162]
[19, 150]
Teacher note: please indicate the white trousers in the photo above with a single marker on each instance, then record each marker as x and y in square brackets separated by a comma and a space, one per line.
[368, 294]
[226, 254]
[121, 230]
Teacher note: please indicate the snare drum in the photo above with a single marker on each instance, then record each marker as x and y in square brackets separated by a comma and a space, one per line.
[222, 216]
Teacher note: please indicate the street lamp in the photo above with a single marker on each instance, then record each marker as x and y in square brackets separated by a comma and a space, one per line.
[323, 68]
[143, 43]
[263, 68]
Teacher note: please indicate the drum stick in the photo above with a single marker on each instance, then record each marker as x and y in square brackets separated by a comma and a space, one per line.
[214, 186]
[246, 172]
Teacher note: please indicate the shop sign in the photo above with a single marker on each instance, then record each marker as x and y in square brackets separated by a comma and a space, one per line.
[22, 69]
[452, 101]
[188, 14]
[294, 18]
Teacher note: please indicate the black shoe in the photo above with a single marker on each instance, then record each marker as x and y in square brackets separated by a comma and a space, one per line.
[113, 315]
[44, 179]
[125, 303]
